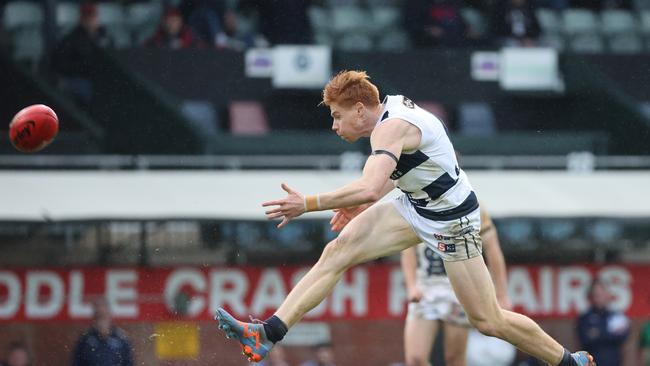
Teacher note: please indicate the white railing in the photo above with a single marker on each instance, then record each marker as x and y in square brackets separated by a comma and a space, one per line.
[348, 161]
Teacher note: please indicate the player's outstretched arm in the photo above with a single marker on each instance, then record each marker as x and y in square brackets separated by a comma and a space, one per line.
[342, 216]
[389, 137]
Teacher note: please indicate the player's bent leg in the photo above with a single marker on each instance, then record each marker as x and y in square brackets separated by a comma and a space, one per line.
[419, 336]
[473, 287]
[377, 232]
[455, 344]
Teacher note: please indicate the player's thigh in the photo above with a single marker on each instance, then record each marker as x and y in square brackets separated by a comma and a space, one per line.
[419, 336]
[455, 341]
[377, 232]
[474, 289]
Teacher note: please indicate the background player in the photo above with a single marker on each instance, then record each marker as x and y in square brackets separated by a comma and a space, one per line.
[432, 300]
[411, 147]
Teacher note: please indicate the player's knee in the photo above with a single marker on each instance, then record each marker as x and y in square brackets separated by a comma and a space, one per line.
[335, 255]
[490, 328]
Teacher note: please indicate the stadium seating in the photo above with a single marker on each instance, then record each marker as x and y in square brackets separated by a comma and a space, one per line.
[642, 4]
[384, 18]
[142, 20]
[320, 19]
[617, 21]
[549, 21]
[23, 20]
[348, 19]
[202, 115]
[354, 42]
[554, 40]
[111, 15]
[625, 43]
[579, 21]
[645, 27]
[476, 119]
[435, 108]
[475, 20]
[396, 40]
[67, 17]
[587, 43]
[248, 118]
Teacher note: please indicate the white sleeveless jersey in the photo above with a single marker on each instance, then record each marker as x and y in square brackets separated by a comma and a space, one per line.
[429, 175]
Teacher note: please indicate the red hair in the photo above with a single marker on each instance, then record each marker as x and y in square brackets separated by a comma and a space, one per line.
[350, 87]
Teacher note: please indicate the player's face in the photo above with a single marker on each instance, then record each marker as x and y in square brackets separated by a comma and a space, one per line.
[347, 122]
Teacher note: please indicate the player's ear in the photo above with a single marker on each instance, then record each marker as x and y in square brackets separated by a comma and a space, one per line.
[359, 108]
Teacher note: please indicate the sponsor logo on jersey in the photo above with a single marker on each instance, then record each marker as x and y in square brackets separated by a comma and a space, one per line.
[447, 248]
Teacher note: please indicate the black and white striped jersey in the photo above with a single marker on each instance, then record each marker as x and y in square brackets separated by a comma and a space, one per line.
[429, 175]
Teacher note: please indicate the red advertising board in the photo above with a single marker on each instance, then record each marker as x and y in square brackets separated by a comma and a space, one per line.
[365, 292]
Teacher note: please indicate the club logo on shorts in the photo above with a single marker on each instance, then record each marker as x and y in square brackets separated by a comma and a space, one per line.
[447, 248]
[408, 103]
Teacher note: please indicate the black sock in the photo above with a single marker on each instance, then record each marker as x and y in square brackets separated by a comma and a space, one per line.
[567, 360]
[275, 329]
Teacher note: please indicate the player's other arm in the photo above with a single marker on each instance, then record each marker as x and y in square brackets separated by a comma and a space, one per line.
[495, 260]
[409, 266]
[390, 137]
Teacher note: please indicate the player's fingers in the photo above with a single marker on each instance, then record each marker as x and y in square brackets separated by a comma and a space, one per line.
[275, 210]
[273, 203]
[335, 219]
[284, 222]
[274, 216]
[287, 188]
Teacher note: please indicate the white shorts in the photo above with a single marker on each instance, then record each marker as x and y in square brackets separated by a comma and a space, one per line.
[453, 240]
[438, 303]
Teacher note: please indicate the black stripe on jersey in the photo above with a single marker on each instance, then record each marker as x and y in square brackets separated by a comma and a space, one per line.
[470, 204]
[385, 116]
[407, 162]
[439, 186]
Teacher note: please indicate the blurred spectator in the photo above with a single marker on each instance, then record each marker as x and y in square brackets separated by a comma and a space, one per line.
[282, 21]
[644, 344]
[103, 344]
[323, 356]
[6, 43]
[172, 33]
[277, 357]
[73, 57]
[206, 18]
[17, 355]
[433, 23]
[601, 330]
[514, 23]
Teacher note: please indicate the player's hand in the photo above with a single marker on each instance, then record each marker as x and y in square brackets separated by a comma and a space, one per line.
[414, 295]
[504, 302]
[342, 216]
[288, 208]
